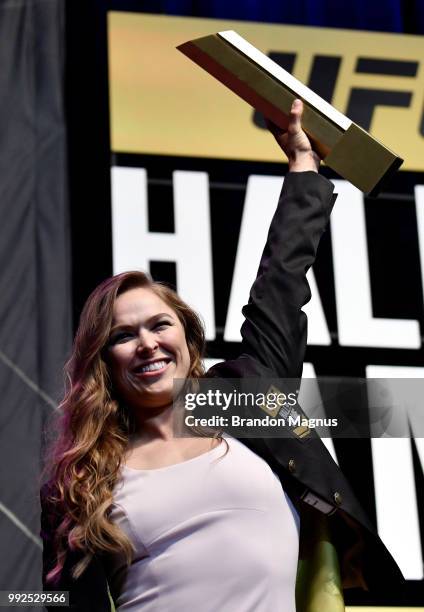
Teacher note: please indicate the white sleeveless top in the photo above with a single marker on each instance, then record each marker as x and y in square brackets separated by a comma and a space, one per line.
[215, 533]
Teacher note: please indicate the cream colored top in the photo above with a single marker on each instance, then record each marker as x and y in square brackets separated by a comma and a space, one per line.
[215, 533]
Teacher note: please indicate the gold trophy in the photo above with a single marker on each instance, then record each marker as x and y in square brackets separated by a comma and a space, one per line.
[344, 146]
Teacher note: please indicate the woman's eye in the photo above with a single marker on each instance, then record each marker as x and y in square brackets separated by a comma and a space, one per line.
[162, 324]
[120, 337]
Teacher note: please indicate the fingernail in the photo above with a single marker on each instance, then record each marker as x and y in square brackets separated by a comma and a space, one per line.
[296, 103]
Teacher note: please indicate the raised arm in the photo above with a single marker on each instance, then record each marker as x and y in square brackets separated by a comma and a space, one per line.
[275, 329]
[274, 332]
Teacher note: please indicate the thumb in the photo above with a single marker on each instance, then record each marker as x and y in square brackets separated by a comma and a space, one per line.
[295, 116]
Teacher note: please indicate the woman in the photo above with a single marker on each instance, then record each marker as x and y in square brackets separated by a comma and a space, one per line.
[157, 517]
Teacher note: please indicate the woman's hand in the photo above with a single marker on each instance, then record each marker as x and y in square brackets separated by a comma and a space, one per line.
[294, 142]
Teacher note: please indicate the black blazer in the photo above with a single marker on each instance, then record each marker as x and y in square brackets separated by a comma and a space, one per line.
[274, 341]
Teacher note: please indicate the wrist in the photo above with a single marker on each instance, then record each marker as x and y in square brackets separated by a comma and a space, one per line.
[304, 162]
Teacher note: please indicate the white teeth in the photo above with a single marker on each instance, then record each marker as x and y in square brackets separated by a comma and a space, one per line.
[150, 367]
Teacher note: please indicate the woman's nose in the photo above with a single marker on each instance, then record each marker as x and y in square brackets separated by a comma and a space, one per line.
[146, 341]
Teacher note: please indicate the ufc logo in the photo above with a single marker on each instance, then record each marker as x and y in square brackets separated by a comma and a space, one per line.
[361, 101]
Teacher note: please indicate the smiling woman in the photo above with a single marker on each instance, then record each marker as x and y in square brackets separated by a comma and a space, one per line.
[135, 336]
[273, 525]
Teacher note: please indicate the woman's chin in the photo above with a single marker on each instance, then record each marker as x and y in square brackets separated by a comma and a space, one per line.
[155, 399]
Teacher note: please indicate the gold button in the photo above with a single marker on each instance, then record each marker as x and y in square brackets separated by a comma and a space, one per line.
[292, 465]
[337, 498]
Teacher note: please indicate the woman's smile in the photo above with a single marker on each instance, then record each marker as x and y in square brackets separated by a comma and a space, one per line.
[152, 368]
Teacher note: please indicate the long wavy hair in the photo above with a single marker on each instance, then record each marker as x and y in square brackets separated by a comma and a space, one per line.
[94, 426]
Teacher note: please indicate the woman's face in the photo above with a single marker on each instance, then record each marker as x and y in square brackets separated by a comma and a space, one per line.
[147, 349]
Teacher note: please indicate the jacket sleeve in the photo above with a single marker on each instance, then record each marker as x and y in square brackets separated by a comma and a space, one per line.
[275, 328]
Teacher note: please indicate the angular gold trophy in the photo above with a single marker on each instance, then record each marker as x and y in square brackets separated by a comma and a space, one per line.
[344, 146]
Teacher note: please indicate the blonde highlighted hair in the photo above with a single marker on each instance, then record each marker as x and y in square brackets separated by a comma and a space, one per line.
[95, 427]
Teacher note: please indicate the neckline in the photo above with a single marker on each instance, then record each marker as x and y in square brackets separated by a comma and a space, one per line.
[197, 458]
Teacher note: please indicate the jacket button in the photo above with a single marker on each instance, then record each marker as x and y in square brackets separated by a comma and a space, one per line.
[337, 498]
[292, 465]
